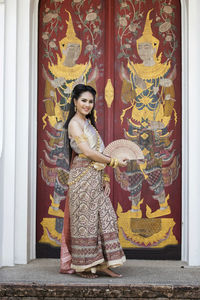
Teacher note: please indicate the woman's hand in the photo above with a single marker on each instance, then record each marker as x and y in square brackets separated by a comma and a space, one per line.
[107, 189]
[122, 162]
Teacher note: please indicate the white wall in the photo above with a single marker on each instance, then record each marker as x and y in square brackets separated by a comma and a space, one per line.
[18, 159]
[2, 15]
[185, 127]
[32, 148]
[22, 130]
[2, 18]
[194, 133]
[8, 150]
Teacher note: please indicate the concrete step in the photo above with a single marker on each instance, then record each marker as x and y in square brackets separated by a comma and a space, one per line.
[141, 279]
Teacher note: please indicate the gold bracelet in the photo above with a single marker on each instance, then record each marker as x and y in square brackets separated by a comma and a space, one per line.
[112, 162]
[116, 163]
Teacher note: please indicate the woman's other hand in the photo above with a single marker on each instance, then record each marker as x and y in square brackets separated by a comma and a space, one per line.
[107, 189]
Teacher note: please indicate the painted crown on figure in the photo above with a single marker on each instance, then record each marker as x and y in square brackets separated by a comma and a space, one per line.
[70, 35]
[147, 35]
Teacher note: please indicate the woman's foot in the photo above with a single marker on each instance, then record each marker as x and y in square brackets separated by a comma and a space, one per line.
[110, 273]
[69, 271]
[87, 275]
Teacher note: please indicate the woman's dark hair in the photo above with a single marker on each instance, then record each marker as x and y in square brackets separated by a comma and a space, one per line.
[76, 93]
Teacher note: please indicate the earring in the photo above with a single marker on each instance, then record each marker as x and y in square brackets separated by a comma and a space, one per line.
[75, 108]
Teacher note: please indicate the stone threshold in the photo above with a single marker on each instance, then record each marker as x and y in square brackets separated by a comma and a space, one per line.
[9, 291]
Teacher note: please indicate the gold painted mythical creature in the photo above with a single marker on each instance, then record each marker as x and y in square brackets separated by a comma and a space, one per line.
[60, 81]
[148, 86]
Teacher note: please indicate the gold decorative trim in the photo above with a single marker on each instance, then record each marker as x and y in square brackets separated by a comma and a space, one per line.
[109, 93]
[136, 232]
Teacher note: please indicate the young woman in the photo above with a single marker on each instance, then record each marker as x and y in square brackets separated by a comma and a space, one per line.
[90, 235]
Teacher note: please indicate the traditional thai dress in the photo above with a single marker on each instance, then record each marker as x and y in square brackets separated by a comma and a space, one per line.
[94, 242]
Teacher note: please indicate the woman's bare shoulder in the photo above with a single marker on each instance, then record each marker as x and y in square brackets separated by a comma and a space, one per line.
[74, 127]
[74, 123]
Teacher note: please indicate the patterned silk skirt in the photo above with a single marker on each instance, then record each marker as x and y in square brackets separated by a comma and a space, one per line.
[94, 239]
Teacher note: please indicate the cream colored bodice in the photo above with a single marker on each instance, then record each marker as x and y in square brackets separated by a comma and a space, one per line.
[93, 139]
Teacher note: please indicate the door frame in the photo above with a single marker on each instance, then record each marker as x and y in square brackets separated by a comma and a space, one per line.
[31, 111]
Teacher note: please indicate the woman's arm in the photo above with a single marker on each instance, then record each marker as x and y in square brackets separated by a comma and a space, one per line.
[76, 132]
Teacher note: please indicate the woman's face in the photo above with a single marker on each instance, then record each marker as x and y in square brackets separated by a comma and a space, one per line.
[85, 103]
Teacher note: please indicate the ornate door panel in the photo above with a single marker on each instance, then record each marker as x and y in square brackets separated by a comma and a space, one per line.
[130, 52]
[148, 109]
[71, 50]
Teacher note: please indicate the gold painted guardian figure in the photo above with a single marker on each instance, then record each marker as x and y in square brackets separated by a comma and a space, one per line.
[151, 94]
[60, 80]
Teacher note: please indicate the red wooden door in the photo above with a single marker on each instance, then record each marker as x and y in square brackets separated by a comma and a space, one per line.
[130, 52]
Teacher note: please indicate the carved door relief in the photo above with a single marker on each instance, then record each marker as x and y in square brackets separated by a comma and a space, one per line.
[129, 51]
